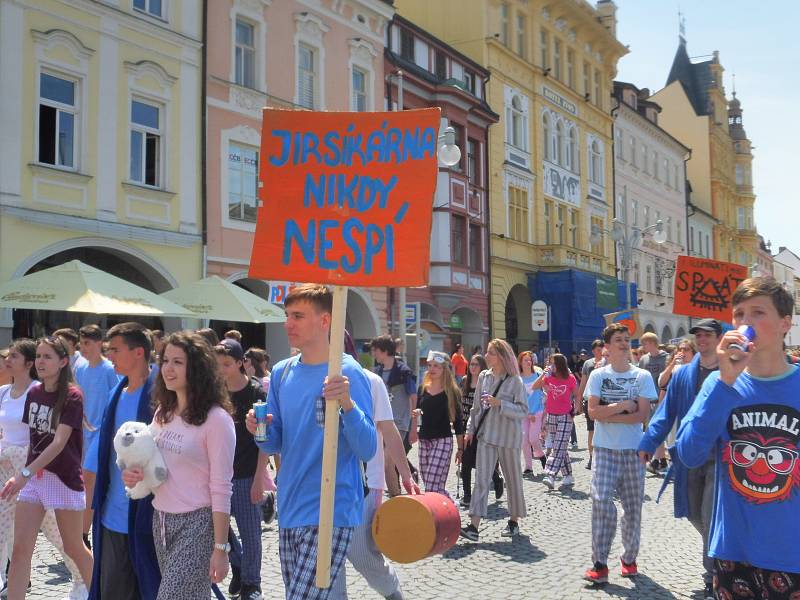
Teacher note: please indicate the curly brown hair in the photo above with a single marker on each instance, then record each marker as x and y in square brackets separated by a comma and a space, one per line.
[205, 388]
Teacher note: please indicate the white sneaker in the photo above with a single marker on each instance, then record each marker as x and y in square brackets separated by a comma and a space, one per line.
[78, 591]
[568, 481]
[549, 481]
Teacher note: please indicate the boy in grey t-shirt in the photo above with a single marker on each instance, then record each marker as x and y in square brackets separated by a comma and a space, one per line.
[619, 397]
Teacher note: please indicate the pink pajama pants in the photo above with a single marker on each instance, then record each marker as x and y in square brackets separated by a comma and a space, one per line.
[531, 444]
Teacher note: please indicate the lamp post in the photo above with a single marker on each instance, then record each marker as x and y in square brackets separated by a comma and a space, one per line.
[448, 155]
[628, 240]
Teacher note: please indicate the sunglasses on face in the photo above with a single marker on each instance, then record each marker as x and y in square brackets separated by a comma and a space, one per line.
[779, 459]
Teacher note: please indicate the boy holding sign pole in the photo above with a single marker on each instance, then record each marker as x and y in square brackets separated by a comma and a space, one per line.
[297, 416]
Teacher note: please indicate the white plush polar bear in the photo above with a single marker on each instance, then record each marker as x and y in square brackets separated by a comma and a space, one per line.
[136, 447]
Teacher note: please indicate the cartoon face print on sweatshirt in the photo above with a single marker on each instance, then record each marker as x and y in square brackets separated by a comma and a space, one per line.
[762, 454]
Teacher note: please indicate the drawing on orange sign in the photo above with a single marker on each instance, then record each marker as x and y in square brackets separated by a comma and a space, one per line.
[704, 287]
[629, 318]
[347, 198]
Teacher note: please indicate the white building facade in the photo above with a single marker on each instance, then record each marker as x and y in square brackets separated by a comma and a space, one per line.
[650, 183]
[786, 268]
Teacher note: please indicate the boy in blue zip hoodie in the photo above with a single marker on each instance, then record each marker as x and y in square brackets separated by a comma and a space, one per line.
[748, 414]
[296, 413]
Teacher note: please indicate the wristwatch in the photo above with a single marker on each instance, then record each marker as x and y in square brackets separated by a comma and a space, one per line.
[25, 472]
[226, 547]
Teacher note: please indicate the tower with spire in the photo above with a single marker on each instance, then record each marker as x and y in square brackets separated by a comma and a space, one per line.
[696, 111]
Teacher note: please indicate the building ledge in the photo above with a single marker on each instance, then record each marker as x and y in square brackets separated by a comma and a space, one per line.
[67, 175]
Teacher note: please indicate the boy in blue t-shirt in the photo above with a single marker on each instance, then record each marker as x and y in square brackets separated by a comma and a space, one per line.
[748, 414]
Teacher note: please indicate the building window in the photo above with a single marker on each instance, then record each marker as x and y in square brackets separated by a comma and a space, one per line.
[596, 162]
[245, 54]
[544, 49]
[634, 213]
[518, 130]
[597, 241]
[618, 145]
[739, 175]
[557, 58]
[475, 262]
[145, 143]
[675, 178]
[504, 25]
[559, 143]
[151, 7]
[242, 183]
[634, 159]
[469, 81]
[598, 98]
[459, 141]
[407, 44]
[548, 221]
[665, 166]
[669, 229]
[458, 235]
[679, 230]
[57, 118]
[655, 165]
[587, 93]
[691, 239]
[307, 77]
[472, 162]
[571, 68]
[571, 150]
[637, 276]
[359, 90]
[522, 36]
[573, 228]
[548, 132]
[740, 217]
[647, 216]
[439, 64]
[518, 213]
[649, 278]
[560, 224]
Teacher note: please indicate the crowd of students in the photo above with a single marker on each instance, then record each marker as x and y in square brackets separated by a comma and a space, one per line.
[729, 419]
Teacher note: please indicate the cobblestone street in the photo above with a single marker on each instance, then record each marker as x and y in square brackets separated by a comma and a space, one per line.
[546, 562]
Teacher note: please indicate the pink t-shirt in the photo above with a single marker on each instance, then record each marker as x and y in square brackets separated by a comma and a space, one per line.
[559, 394]
[199, 464]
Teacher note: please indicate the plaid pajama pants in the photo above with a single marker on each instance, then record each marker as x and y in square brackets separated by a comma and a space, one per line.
[618, 470]
[434, 463]
[297, 547]
[559, 428]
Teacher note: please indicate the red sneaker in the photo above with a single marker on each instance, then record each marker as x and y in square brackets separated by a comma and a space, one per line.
[630, 570]
[596, 574]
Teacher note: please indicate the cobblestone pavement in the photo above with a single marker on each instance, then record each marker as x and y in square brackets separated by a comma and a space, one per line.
[546, 562]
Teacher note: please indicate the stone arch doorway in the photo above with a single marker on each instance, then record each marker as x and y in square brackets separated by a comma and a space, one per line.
[115, 259]
[666, 334]
[518, 318]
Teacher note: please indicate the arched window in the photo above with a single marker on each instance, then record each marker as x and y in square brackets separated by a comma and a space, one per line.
[547, 128]
[518, 124]
[572, 150]
[559, 150]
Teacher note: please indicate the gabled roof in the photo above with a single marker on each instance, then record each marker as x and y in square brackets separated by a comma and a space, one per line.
[695, 77]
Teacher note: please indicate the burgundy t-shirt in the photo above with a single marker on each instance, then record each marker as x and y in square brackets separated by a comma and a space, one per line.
[67, 465]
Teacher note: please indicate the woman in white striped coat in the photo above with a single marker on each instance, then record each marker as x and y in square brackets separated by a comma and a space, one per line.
[497, 419]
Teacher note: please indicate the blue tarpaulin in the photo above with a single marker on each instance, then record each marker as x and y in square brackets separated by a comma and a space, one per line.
[572, 296]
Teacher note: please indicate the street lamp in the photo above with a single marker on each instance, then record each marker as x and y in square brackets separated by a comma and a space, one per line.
[628, 239]
[448, 154]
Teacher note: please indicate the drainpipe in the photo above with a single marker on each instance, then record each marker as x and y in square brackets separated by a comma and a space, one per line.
[204, 142]
[687, 203]
[614, 112]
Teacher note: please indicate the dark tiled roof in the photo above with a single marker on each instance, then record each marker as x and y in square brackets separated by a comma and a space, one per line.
[696, 78]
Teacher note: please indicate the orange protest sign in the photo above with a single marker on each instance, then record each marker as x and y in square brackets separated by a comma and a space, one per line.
[347, 198]
[703, 287]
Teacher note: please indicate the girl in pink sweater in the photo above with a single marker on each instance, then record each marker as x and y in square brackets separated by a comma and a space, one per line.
[195, 433]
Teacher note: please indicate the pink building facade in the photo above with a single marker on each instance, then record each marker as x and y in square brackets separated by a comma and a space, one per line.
[303, 54]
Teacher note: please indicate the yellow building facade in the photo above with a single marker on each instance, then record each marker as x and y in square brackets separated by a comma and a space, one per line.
[696, 111]
[101, 143]
[550, 165]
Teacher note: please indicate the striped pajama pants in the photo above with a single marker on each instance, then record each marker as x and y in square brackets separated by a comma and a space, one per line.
[297, 547]
[365, 557]
[248, 522]
[485, 461]
[618, 470]
[434, 463]
[559, 428]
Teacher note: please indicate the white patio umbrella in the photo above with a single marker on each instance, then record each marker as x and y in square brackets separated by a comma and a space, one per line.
[215, 298]
[76, 287]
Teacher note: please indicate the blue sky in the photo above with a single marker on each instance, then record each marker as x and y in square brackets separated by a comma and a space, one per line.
[761, 46]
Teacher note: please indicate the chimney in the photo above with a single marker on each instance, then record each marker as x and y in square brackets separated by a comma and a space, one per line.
[607, 15]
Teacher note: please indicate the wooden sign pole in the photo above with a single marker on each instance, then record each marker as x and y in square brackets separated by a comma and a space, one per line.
[331, 442]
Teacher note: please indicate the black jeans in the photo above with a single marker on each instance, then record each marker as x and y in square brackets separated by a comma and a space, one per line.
[117, 579]
[466, 479]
